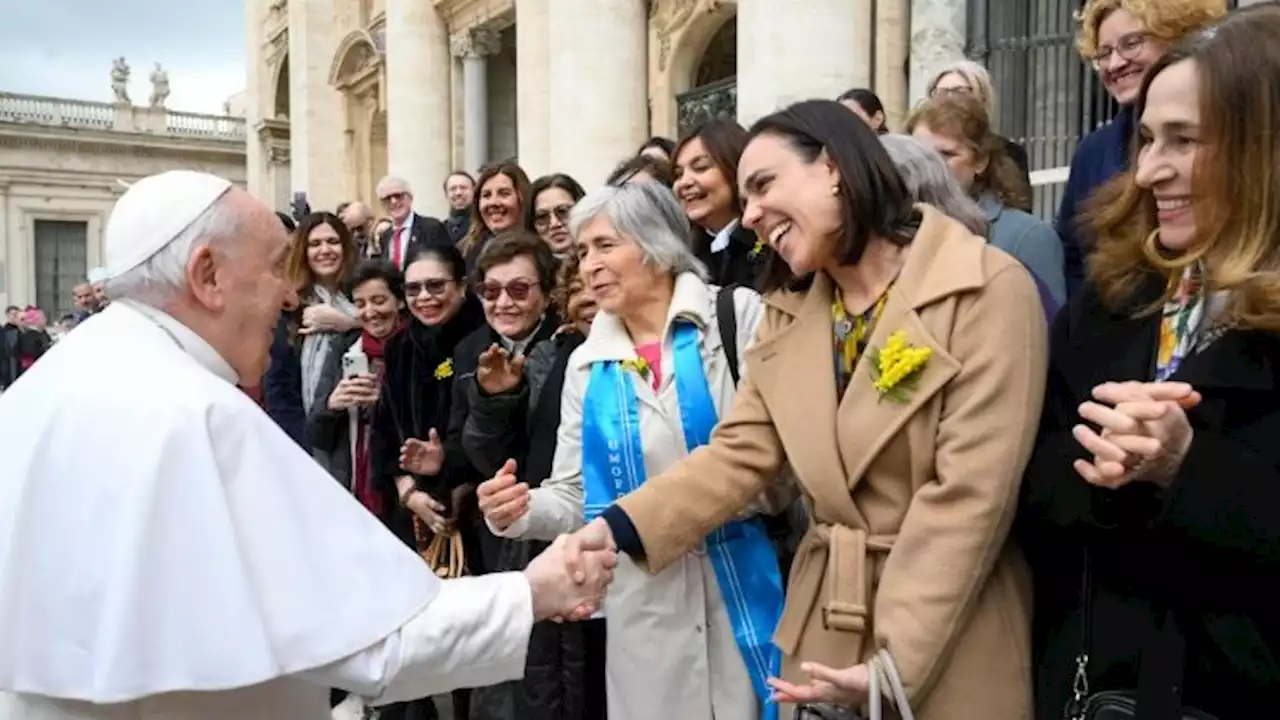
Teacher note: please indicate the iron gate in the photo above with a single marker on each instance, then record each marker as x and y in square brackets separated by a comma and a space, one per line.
[1047, 98]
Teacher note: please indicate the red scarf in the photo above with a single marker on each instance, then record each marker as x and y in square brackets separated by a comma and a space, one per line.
[362, 482]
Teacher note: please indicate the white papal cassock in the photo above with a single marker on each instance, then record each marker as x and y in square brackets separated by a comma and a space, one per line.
[167, 552]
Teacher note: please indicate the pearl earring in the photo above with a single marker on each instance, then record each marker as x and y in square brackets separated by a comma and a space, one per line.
[835, 189]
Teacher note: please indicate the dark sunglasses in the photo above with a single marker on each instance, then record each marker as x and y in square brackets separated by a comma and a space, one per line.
[517, 289]
[542, 218]
[435, 288]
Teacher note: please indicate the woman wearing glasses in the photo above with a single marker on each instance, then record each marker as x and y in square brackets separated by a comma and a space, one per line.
[551, 197]
[1121, 39]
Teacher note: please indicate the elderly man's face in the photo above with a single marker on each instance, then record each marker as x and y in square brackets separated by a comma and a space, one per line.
[356, 217]
[396, 200]
[83, 296]
[252, 288]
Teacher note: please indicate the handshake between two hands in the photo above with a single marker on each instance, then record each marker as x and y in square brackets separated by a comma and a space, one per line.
[570, 578]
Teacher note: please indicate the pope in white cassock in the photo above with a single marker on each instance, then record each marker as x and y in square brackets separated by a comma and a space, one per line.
[167, 552]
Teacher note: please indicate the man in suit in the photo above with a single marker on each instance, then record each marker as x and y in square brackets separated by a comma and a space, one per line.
[409, 231]
[459, 189]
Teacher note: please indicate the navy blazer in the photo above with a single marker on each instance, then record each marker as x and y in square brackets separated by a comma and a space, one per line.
[282, 386]
[1101, 155]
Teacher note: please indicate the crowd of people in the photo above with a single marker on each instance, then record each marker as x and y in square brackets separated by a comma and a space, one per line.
[855, 419]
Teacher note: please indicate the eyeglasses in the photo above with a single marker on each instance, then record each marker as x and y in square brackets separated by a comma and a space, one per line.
[393, 197]
[518, 290]
[434, 287]
[1127, 47]
[542, 218]
[954, 90]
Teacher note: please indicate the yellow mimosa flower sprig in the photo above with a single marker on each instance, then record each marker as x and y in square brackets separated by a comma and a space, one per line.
[638, 365]
[757, 248]
[896, 367]
[444, 370]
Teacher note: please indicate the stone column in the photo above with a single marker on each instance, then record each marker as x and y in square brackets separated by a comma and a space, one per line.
[418, 126]
[938, 31]
[474, 48]
[255, 99]
[315, 107]
[598, 76]
[793, 50]
[533, 86]
[893, 19]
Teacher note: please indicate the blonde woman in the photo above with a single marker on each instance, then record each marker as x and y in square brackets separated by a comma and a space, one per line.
[1120, 39]
[967, 77]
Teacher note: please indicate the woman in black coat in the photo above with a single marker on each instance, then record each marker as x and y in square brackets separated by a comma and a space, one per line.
[518, 418]
[1151, 508]
[414, 403]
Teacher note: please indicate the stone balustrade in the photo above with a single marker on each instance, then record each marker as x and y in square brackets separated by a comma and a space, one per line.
[86, 114]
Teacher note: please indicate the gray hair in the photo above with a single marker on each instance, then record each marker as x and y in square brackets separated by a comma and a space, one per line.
[164, 274]
[930, 181]
[648, 214]
[392, 181]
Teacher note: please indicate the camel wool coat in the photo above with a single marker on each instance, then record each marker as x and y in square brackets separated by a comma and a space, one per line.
[911, 501]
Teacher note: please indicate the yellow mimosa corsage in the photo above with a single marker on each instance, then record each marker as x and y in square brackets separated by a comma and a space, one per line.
[757, 248]
[444, 370]
[639, 366]
[896, 367]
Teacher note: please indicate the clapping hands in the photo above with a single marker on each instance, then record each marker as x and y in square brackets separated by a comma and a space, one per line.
[502, 499]
[1144, 432]
[422, 457]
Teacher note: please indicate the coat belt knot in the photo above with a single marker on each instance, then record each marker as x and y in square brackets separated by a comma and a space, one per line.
[838, 554]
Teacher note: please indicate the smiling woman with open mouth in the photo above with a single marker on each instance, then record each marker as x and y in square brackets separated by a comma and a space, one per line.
[1120, 39]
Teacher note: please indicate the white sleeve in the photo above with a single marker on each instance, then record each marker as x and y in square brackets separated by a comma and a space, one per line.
[555, 507]
[473, 634]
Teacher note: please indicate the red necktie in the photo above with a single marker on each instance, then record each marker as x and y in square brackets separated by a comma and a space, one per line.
[395, 249]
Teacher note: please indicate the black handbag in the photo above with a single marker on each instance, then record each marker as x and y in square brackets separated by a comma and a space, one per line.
[1109, 704]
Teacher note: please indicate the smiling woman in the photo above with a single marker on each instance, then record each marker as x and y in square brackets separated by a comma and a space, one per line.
[1156, 456]
[502, 190]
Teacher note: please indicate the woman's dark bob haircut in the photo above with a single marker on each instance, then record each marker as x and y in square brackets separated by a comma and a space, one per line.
[874, 199]
[377, 269]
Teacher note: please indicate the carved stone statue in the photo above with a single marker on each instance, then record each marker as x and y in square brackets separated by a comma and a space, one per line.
[159, 87]
[120, 80]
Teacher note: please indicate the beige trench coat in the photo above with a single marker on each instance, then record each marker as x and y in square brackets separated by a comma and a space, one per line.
[671, 652]
[911, 502]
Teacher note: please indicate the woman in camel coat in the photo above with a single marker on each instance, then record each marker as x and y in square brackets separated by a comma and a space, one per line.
[911, 478]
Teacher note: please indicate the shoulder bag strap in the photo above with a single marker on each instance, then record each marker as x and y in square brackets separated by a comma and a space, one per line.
[727, 319]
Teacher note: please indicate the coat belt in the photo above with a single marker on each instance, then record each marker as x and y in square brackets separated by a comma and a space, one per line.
[839, 554]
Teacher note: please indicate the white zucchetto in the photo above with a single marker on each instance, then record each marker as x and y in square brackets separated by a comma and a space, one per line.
[154, 211]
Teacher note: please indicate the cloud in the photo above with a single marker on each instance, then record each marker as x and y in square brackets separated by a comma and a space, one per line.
[64, 48]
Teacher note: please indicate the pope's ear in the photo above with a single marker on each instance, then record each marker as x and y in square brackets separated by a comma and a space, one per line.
[202, 278]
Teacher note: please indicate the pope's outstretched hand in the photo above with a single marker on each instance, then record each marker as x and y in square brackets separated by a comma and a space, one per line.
[560, 593]
[577, 552]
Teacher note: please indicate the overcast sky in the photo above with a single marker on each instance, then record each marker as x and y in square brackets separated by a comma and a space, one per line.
[65, 48]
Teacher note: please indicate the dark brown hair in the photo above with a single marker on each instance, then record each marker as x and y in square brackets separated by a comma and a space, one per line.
[1236, 194]
[874, 199]
[964, 118]
[546, 182]
[724, 141]
[476, 229]
[629, 168]
[512, 244]
[298, 270]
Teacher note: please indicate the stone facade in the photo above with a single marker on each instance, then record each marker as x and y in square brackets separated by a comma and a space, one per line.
[65, 162]
[420, 87]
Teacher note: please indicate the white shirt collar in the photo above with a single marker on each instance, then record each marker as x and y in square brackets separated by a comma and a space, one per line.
[188, 340]
[723, 237]
[517, 347]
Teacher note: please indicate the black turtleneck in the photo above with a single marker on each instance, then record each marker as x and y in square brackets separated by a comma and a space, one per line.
[417, 389]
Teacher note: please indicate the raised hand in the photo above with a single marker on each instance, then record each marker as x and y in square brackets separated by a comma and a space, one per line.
[355, 391]
[422, 457]
[502, 500]
[322, 318]
[498, 372]
[846, 688]
[557, 593]
[1144, 432]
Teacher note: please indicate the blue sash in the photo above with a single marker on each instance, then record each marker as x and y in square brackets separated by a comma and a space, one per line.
[613, 465]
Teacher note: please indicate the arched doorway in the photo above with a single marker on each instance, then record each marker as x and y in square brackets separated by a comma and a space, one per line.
[357, 72]
[715, 91]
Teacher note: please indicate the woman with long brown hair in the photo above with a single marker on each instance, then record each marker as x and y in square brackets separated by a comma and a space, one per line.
[1151, 508]
[323, 253]
[502, 192]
